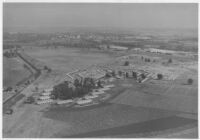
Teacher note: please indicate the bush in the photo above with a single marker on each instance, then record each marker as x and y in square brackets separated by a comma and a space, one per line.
[99, 84]
[108, 75]
[113, 73]
[65, 91]
[170, 60]
[134, 74]
[49, 70]
[159, 76]
[127, 75]
[120, 73]
[190, 81]
[143, 76]
[126, 63]
[45, 68]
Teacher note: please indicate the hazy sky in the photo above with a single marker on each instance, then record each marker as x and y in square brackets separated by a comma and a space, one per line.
[24, 16]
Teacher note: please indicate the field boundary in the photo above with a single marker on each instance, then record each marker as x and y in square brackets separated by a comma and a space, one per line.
[17, 96]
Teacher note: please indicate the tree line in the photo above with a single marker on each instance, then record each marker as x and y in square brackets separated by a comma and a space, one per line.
[78, 88]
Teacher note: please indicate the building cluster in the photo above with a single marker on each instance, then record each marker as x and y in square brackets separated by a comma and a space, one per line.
[94, 73]
[45, 97]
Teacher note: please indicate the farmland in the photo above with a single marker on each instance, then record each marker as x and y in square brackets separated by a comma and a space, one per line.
[68, 59]
[13, 71]
[132, 108]
[100, 70]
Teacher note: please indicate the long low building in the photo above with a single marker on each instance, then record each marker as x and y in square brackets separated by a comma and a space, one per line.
[90, 96]
[82, 102]
[94, 73]
[153, 50]
[46, 94]
[120, 48]
[44, 97]
[65, 101]
[45, 101]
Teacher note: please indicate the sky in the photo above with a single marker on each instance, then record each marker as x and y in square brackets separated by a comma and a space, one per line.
[60, 16]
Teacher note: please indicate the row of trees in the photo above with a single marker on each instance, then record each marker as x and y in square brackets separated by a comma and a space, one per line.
[10, 54]
[126, 63]
[48, 69]
[134, 75]
[80, 88]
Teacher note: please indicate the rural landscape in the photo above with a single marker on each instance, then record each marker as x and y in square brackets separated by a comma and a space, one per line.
[98, 82]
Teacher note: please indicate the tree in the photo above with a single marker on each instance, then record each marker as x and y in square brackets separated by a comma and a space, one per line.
[190, 81]
[49, 70]
[45, 68]
[134, 74]
[107, 75]
[127, 75]
[88, 84]
[99, 84]
[120, 73]
[113, 73]
[25, 66]
[159, 76]
[126, 63]
[62, 91]
[170, 60]
[77, 83]
[143, 76]
[65, 91]
[36, 88]
[92, 83]
[9, 89]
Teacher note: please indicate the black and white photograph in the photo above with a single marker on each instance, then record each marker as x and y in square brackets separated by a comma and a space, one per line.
[99, 70]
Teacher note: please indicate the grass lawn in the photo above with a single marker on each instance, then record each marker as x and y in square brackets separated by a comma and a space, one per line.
[13, 71]
[162, 96]
[68, 59]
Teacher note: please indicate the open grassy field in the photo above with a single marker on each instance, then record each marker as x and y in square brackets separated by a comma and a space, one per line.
[13, 71]
[151, 109]
[107, 116]
[173, 97]
[68, 59]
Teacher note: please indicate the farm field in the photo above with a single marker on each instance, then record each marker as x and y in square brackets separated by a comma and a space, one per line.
[68, 59]
[100, 70]
[13, 71]
[129, 115]
[151, 109]
[110, 116]
[173, 97]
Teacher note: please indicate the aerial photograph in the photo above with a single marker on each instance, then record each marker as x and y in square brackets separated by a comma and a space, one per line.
[100, 70]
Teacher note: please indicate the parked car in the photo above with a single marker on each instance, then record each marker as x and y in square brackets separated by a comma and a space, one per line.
[29, 100]
[9, 111]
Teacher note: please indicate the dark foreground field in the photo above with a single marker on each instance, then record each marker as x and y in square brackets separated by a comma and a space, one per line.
[134, 113]
[155, 108]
